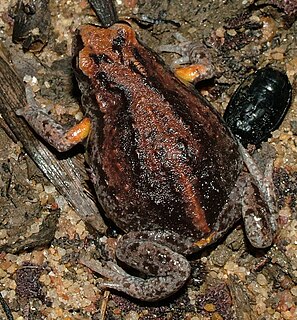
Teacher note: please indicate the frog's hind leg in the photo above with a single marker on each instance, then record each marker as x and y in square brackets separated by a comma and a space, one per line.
[258, 206]
[165, 270]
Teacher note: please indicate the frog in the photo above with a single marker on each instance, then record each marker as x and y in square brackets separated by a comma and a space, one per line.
[165, 167]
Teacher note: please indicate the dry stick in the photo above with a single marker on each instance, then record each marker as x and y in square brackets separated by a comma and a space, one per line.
[105, 11]
[104, 305]
[64, 174]
[6, 308]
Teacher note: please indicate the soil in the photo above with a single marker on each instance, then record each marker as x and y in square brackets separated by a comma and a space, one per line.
[41, 236]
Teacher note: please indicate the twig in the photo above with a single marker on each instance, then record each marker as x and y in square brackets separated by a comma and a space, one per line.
[105, 11]
[6, 308]
[104, 304]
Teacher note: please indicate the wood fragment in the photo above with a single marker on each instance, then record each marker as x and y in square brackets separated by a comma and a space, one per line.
[105, 11]
[31, 24]
[6, 308]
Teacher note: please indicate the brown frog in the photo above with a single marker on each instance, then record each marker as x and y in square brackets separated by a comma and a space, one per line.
[165, 167]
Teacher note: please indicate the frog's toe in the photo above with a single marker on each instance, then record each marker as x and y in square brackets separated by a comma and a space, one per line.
[258, 219]
[258, 231]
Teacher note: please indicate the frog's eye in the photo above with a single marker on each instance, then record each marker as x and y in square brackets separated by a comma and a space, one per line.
[119, 41]
[100, 58]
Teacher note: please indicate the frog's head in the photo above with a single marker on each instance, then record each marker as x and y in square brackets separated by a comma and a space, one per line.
[110, 62]
[95, 45]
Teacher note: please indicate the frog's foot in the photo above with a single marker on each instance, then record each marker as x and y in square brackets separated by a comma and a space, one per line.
[194, 55]
[166, 271]
[51, 131]
[257, 217]
[258, 206]
[182, 49]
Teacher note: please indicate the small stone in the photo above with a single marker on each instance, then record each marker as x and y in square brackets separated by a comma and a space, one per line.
[293, 125]
[261, 307]
[11, 284]
[216, 316]
[39, 187]
[221, 256]
[49, 189]
[80, 228]
[220, 32]
[232, 32]
[27, 78]
[278, 56]
[261, 279]
[132, 315]
[89, 291]
[3, 274]
[12, 269]
[3, 234]
[47, 84]
[45, 279]
[11, 257]
[78, 116]
[210, 307]
[294, 291]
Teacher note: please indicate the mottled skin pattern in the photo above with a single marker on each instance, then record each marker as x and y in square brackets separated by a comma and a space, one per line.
[165, 167]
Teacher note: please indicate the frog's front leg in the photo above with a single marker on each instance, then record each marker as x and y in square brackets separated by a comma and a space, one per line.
[195, 55]
[258, 205]
[165, 271]
[51, 131]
